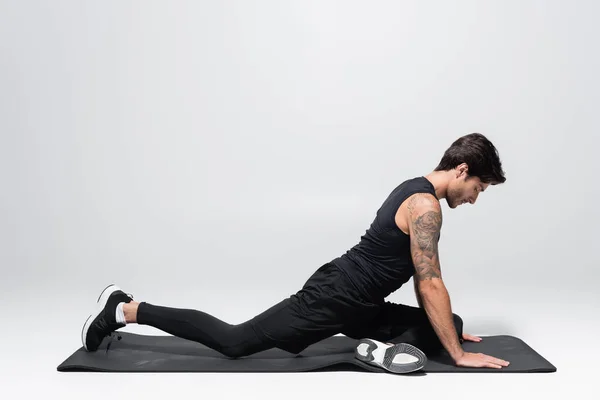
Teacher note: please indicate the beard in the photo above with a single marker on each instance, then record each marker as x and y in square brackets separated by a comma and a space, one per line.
[454, 198]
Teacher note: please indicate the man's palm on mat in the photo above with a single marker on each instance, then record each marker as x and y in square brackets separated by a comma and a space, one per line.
[478, 360]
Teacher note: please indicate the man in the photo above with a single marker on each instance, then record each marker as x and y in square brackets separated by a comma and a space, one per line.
[347, 294]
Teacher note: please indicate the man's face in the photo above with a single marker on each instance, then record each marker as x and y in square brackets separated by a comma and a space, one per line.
[464, 190]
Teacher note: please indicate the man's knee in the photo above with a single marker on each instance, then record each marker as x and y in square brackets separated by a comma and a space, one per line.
[238, 341]
[235, 352]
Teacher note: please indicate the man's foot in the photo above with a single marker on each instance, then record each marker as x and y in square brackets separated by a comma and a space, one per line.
[103, 321]
[399, 358]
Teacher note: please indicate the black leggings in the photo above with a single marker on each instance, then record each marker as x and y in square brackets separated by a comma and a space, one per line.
[328, 304]
[395, 323]
[230, 340]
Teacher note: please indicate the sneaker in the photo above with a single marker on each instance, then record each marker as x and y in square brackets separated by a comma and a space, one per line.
[102, 322]
[398, 358]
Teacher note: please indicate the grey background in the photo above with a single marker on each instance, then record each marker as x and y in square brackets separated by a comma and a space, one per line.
[212, 155]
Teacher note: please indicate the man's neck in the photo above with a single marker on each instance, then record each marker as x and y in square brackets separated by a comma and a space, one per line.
[439, 180]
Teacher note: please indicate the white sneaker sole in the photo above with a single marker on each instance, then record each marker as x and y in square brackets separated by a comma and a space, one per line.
[100, 303]
[400, 358]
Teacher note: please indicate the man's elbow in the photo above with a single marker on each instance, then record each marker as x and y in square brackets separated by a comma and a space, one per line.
[431, 287]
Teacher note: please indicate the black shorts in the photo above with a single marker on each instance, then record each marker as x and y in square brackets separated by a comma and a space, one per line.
[328, 304]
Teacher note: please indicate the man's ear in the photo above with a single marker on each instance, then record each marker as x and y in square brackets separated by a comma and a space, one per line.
[462, 169]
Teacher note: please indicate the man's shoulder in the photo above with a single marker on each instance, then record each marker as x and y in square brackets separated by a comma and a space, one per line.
[420, 202]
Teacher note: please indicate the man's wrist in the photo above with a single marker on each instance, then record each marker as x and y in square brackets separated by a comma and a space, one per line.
[457, 354]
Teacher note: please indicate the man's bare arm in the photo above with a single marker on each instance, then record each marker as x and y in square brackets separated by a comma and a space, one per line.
[425, 222]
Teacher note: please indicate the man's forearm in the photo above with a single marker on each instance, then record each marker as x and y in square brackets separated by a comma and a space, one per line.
[436, 302]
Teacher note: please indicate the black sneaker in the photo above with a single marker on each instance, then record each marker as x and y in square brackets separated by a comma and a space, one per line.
[398, 358]
[102, 322]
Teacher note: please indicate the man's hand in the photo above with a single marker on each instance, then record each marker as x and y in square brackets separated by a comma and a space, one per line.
[470, 338]
[479, 360]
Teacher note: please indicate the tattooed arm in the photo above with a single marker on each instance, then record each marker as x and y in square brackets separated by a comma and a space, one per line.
[425, 222]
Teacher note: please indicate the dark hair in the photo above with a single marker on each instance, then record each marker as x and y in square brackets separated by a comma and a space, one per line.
[479, 154]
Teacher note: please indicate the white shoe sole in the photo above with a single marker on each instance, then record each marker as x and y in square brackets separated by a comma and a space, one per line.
[100, 304]
[400, 358]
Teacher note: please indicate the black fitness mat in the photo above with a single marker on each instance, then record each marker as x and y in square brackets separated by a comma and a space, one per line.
[143, 353]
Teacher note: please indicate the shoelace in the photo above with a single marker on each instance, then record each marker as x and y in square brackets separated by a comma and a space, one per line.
[113, 334]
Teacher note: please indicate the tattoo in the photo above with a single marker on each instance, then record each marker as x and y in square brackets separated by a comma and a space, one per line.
[425, 235]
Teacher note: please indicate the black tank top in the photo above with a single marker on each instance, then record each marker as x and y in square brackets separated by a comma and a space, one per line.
[381, 262]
